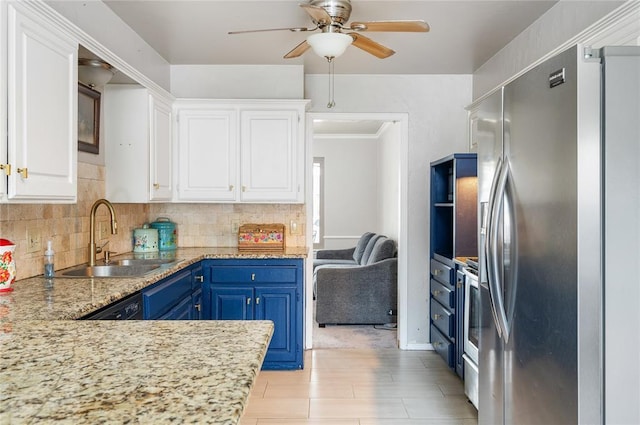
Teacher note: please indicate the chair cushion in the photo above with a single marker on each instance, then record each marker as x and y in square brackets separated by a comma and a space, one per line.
[383, 249]
[361, 245]
[367, 251]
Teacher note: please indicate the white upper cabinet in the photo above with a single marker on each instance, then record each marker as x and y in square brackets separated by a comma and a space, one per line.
[42, 95]
[208, 154]
[4, 163]
[161, 161]
[269, 152]
[138, 154]
[248, 151]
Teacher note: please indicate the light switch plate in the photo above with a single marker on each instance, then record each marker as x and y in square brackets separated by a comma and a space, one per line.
[34, 240]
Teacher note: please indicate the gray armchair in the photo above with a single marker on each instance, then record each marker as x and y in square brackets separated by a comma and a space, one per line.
[359, 293]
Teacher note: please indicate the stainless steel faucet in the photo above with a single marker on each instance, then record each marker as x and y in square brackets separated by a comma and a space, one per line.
[92, 227]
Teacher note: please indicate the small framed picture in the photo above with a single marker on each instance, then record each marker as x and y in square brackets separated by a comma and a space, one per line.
[88, 119]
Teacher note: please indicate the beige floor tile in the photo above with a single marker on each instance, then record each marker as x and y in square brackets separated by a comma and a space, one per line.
[284, 377]
[452, 389]
[308, 421]
[286, 408]
[342, 408]
[310, 390]
[361, 387]
[418, 422]
[363, 376]
[448, 408]
[398, 390]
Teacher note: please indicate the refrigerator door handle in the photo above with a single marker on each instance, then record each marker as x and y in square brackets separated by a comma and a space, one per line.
[494, 267]
[486, 246]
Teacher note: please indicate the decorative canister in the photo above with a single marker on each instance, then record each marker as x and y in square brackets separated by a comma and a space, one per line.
[167, 233]
[145, 239]
[7, 265]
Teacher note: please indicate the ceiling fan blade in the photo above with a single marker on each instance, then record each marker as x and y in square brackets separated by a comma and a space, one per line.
[370, 46]
[391, 26]
[298, 50]
[298, 29]
[318, 14]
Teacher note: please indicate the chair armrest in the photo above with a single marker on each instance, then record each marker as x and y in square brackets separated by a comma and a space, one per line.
[336, 254]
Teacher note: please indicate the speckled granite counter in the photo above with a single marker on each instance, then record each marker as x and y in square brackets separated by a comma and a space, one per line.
[81, 372]
[70, 298]
[68, 371]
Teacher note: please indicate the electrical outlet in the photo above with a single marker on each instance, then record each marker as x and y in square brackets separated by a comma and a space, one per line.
[294, 229]
[34, 240]
[235, 226]
[103, 231]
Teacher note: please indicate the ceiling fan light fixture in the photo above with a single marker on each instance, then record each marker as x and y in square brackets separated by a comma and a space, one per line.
[329, 44]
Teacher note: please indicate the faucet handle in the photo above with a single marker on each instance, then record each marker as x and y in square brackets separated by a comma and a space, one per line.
[99, 248]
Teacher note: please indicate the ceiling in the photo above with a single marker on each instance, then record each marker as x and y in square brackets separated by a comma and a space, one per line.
[464, 33]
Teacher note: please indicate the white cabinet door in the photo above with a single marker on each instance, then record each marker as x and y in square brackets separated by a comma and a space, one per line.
[4, 163]
[42, 110]
[137, 139]
[270, 160]
[207, 155]
[161, 164]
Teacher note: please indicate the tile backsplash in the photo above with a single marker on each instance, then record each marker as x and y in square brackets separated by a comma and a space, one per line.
[67, 225]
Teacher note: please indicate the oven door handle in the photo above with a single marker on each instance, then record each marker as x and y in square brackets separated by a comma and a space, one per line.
[473, 279]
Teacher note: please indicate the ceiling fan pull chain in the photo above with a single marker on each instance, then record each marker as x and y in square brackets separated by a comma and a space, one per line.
[332, 102]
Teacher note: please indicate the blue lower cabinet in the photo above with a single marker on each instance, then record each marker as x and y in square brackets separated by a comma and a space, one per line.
[269, 289]
[231, 303]
[182, 311]
[177, 297]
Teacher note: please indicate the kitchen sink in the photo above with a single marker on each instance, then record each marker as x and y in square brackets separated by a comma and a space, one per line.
[111, 270]
[143, 261]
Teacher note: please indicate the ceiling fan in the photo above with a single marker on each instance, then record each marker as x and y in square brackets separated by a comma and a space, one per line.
[330, 17]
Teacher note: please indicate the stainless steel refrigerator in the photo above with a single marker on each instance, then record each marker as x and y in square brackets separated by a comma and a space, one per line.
[558, 170]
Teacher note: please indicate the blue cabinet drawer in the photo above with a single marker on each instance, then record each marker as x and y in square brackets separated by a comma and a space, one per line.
[442, 346]
[161, 297]
[443, 319]
[441, 272]
[253, 274]
[446, 296]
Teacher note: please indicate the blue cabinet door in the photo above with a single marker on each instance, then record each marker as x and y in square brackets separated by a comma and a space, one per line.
[261, 289]
[182, 311]
[162, 297]
[232, 303]
[278, 305]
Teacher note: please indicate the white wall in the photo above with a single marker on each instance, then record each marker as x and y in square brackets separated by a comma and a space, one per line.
[437, 127]
[562, 22]
[97, 20]
[389, 181]
[350, 188]
[238, 81]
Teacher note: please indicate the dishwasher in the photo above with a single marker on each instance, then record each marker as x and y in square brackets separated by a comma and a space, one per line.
[129, 308]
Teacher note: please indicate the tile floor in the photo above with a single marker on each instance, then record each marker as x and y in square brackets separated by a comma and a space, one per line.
[361, 387]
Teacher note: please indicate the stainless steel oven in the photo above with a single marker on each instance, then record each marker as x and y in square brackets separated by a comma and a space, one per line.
[471, 331]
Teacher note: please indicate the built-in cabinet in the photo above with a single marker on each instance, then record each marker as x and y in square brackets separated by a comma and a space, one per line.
[39, 161]
[269, 289]
[453, 208]
[249, 151]
[138, 135]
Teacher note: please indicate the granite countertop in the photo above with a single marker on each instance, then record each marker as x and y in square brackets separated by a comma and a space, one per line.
[81, 372]
[54, 368]
[62, 298]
